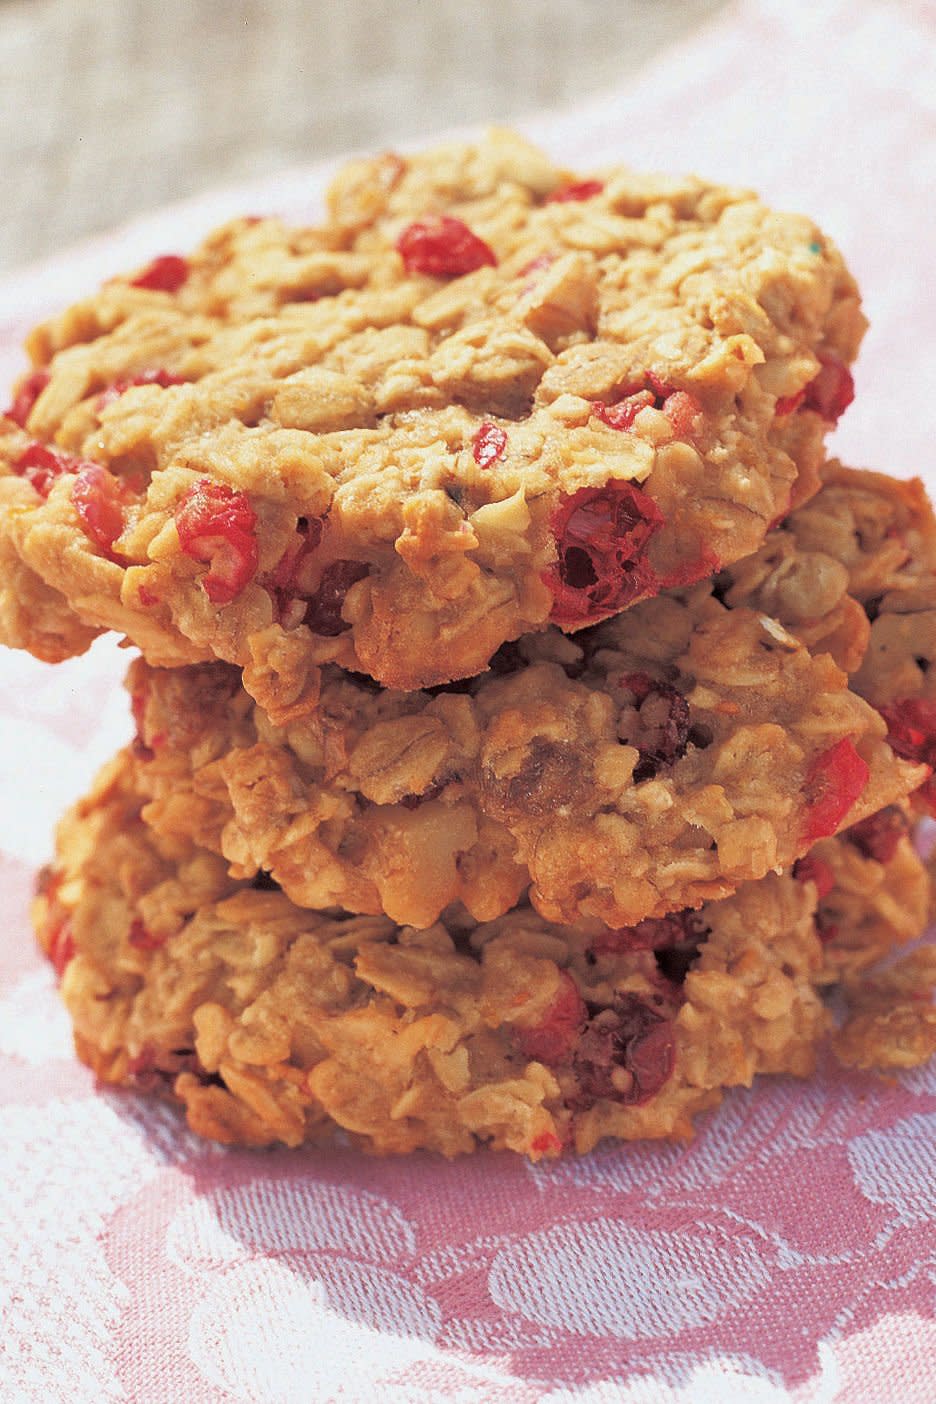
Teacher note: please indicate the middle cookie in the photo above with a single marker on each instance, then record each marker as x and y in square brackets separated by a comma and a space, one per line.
[655, 762]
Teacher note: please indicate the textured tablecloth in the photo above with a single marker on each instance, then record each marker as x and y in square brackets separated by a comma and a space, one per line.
[789, 1254]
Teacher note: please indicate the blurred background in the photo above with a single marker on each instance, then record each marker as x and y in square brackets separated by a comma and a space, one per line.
[111, 108]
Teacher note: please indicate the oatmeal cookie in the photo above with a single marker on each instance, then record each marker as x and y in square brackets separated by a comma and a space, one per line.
[484, 395]
[273, 1023]
[854, 572]
[654, 762]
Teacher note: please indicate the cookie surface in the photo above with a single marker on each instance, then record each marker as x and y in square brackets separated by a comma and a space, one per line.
[483, 396]
[272, 1023]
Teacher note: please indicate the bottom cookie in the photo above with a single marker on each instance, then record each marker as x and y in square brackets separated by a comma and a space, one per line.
[272, 1023]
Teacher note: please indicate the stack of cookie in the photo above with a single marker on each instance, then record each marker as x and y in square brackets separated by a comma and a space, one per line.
[529, 721]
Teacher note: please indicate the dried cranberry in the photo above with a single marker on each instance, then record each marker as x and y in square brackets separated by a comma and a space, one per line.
[552, 1040]
[878, 836]
[96, 494]
[578, 190]
[626, 1053]
[622, 415]
[323, 612]
[142, 939]
[546, 1141]
[832, 391]
[217, 524]
[834, 781]
[62, 947]
[40, 465]
[680, 408]
[651, 934]
[911, 728]
[911, 731]
[148, 377]
[488, 444]
[813, 869]
[26, 396]
[443, 247]
[663, 724]
[601, 538]
[165, 274]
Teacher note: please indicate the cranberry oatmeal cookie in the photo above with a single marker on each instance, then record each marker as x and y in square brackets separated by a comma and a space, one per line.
[274, 1023]
[484, 395]
[652, 763]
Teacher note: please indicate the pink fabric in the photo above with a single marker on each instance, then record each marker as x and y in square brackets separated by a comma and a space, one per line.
[787, 1255]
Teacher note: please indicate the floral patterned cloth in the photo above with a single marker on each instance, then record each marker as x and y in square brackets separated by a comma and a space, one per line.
[789, 1254]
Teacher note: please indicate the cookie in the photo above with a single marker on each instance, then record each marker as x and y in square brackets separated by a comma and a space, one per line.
[853, 572]
[271, 1023]
[653, 762]
[483, 396]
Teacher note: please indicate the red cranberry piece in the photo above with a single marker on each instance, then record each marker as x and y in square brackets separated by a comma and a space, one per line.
[26, 396]
[663, 724]
[622, 415]
[681, 409]
[832, 391]
[911, 728]
[142, 939]
[651, 934]
[626, 1054]
[578, 190]
[147, 377]
[443, 247]
[97, 497]
[833, 783]
[552, 1040]
[40, 465]
[911, 731]
[546, 1142]
[62, 948]
[813, 869]
[601, 538]
[323, 613]
[165, 274]
[488, 444]
[217, 524]
[878, 836]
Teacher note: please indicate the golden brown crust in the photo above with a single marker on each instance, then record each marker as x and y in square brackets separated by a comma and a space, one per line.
[331, 384]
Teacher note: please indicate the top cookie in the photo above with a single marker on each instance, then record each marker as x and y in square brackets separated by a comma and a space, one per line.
[483, 396]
